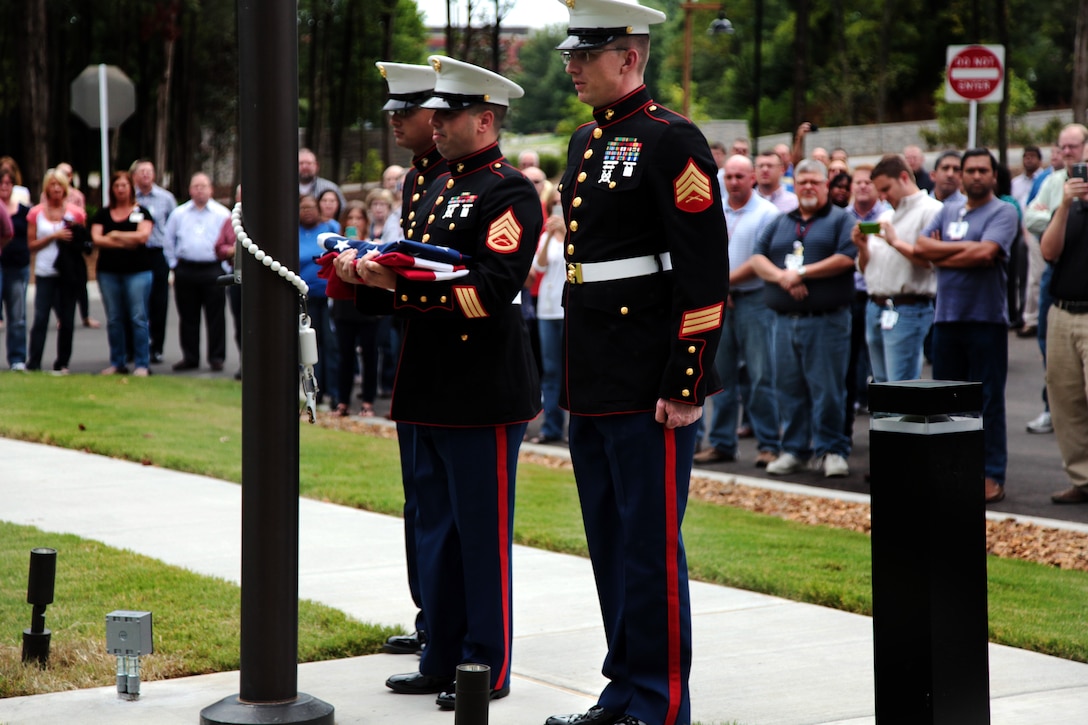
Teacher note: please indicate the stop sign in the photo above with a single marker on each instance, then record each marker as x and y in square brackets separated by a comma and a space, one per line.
[120, 96]
[975, 73]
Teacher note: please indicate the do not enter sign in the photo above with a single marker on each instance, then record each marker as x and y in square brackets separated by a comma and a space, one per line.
[975, 73]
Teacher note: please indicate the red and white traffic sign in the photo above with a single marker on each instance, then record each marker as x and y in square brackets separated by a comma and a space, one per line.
[975, 73]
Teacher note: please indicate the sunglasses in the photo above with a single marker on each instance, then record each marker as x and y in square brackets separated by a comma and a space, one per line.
[585, 56]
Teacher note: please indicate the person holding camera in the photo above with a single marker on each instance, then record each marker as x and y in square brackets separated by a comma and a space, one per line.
[969, 244]
[1064, 247]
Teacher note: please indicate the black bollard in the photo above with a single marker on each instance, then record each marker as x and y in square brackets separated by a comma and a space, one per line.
[39, 592]
[473, 692]
[930, 627]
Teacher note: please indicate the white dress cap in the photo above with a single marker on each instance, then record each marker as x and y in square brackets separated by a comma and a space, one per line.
[459, 85]
[594, 23]
[409, 85]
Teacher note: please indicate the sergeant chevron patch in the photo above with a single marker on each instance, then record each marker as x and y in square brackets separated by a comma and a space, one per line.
[469, 299]
[696, 321]
[504, 234]
[692, 189]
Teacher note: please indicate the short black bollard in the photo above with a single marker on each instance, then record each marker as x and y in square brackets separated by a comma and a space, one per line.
[930, 633]
[473, 694]
[39, 592]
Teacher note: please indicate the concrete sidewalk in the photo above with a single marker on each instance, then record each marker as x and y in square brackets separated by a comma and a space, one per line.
[758, 660]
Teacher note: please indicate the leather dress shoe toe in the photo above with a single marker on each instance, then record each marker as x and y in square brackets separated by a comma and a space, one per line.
[448, 700]
[417, 683]
[403, 644]
[1073, 494]
[596, 715]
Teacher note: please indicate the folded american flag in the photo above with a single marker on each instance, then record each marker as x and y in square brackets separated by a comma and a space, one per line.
[411, 260]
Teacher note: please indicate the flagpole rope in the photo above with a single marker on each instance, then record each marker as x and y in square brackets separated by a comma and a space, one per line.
[263, 257]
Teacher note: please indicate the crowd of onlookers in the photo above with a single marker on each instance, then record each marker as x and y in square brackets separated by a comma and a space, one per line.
[840, 274]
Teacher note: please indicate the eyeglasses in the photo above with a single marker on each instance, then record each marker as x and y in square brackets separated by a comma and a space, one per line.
[585, 56]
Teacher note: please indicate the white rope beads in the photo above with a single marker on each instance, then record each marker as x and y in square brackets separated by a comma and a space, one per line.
[261, 256]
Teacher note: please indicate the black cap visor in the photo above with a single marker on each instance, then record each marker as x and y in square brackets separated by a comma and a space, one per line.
[590, 38]
[452, 101]
[401, 101]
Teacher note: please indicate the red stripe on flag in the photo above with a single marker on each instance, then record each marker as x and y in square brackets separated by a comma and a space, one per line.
[672, 540]
[503, 507]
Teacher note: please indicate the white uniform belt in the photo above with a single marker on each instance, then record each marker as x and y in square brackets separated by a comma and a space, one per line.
[584, 272]
[517, 299]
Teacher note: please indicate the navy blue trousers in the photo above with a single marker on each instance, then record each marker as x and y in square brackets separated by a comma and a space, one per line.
[633, 476]
[464, 529]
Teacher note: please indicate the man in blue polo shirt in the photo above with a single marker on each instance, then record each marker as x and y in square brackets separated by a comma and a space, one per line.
[969, 243]
[806, 260]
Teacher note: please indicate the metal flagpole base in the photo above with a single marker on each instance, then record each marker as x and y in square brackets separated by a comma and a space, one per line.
[303, 710]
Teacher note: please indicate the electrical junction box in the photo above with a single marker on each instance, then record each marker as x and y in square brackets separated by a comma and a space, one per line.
[129, 633]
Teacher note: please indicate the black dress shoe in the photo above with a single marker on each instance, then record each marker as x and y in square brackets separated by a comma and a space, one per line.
[185, 365]
[417, 683]
[596, 715]
[448, 700]
[403, 644]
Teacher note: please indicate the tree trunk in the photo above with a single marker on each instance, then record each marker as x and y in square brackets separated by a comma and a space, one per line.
[800, 64]
[162, 100]
[1001, 16]
[1080, 65]
[34, 109]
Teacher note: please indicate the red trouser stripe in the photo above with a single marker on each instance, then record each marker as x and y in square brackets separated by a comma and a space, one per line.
[672, 542]
[503, 508]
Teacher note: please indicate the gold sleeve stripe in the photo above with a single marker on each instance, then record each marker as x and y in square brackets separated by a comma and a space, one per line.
[697, 321]
[469, 300]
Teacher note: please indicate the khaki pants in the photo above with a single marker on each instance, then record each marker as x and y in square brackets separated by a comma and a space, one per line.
[1067, 389]
[1036, 265]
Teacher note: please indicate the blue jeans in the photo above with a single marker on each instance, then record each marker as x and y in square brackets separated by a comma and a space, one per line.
[551, 356]
[811, 356]
[896, 354]
[126, 297]
[978, 352]
[13, 294]
[748, 336]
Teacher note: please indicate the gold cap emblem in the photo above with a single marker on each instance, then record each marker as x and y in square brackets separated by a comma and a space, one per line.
[381, 69]
[437, 65]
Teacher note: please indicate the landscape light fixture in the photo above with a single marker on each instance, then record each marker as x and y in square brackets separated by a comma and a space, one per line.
[39, 592]
[128, 635]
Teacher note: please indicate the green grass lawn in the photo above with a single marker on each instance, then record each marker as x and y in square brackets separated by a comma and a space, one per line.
[1031, 606]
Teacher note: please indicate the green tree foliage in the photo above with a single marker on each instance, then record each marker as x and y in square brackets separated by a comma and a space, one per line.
[547, 86]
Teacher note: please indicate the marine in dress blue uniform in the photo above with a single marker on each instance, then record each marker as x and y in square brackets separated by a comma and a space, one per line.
[648, 271]
[409, 86]
[466, 382]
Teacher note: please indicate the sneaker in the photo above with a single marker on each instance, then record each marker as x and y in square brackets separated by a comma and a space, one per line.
[1041, 424]
[18, 367]
[785, 463]
[835, 466]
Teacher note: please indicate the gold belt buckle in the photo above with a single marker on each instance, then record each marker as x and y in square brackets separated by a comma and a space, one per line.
[574, 273]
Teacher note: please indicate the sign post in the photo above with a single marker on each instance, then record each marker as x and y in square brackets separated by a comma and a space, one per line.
[974, 74]
[103, 96]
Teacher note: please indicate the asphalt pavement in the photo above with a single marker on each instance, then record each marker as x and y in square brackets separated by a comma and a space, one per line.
[1034, 471]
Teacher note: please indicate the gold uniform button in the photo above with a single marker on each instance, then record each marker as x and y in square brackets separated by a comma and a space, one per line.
[449, 184]
[597, 133]
[574, 225]
[452, 225]
[410, 232]
[653, 108]
[426, 238]
[419, 179]
[498, 166]
[570, 249]
[588, 154]
[689, 371]
[430, 218]
[581, 177]
[612, 185]
[686, 393]
[411, 216]
[439, 200]
[624, 310]
[577, 202]
[560, 187]
[442, 299]
[404, 298]
[692, 349]
[464, 338]
[423, 299]
[415, 197]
